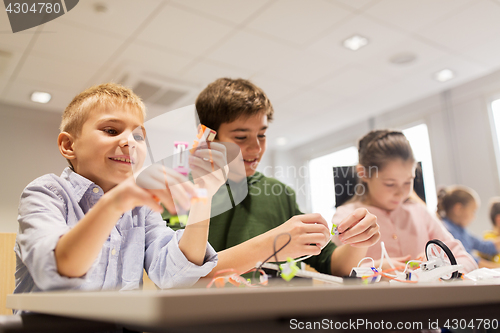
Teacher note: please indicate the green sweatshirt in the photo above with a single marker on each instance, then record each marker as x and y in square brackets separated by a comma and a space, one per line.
[269, 203]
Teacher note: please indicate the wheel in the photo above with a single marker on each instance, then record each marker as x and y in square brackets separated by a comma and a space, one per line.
[437, 249]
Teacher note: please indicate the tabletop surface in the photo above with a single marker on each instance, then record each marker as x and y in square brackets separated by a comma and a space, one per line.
[201, 305]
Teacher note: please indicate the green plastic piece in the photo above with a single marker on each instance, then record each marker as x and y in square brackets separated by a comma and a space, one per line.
[335, 231]
[289, 269]
[179, 219]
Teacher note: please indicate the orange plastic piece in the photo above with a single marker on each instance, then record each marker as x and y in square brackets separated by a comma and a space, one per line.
[210, 136]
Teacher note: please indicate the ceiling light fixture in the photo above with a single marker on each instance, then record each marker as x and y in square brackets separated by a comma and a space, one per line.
[403, 58]
[444, 75]
[40, 97]
[355, 42]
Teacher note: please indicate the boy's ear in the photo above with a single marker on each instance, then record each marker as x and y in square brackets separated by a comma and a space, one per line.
[65, 142]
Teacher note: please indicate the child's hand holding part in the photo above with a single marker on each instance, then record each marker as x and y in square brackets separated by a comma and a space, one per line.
[359, 229]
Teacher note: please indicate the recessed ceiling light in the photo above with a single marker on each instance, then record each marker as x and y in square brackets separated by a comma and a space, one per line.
[355, 42]
[444, 75]
[281, 141]
[40, 97]
[403, 58]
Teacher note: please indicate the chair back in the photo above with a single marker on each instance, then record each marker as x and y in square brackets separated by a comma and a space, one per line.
[7, 270]
[345, 179]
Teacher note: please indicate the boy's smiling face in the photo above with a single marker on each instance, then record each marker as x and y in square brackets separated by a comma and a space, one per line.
[110, 144]
[250, 135]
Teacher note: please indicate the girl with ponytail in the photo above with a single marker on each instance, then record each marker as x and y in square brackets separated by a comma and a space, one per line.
[387, 169]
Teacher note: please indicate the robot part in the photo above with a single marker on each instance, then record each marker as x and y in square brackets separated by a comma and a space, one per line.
[205, 134]
[289, 269]
[439, 255]
[180, 162]
[366, 272]
[335, 231]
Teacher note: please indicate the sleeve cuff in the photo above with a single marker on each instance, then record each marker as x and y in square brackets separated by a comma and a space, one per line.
[49, 278]
[182, 272]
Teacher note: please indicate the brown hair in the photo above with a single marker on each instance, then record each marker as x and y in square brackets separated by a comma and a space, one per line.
[494, 209]
[225, 100]
[93, 98]
[378, 147]
[450, 196]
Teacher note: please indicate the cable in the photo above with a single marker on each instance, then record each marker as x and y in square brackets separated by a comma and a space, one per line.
[392, 277]
[275, 252]
[309, 256]
[411, 261]
[365, 258]
[384, 254]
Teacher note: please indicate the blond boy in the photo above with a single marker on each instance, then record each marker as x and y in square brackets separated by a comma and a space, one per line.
[94, 227]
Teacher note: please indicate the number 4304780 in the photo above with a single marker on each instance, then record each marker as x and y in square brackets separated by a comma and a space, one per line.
[36, 8]
[455, 324]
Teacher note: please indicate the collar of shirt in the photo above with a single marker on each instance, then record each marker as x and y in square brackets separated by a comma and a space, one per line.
[257, 176]
[82, 185]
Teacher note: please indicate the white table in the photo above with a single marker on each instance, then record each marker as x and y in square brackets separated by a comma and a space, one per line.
[191, 309]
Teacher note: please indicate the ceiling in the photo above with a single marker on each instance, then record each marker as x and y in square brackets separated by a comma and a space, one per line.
[291, 48]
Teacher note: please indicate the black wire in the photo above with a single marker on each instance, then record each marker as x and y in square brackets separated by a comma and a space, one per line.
[275, 253]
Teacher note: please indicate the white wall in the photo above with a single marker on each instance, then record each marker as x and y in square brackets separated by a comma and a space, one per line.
[460, 137]
[28, 150]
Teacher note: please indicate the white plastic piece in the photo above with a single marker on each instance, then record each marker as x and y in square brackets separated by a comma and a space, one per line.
[436, 273]
[483, 274]
[366, 272]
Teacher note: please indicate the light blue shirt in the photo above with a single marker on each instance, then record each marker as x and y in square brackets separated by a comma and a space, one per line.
[50, 206]
[469, 241]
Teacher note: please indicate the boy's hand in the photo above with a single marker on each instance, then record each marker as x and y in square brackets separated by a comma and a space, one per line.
[309, 234]
[127, 195]
[167, 186]
[360, 229]
[209, 167]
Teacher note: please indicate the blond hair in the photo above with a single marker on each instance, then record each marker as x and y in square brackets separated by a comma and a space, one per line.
[94, 98]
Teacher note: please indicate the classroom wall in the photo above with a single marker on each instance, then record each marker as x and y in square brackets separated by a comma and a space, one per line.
[459, 132]
[28, 150]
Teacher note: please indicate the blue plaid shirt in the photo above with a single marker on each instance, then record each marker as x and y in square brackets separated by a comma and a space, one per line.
[50, 206]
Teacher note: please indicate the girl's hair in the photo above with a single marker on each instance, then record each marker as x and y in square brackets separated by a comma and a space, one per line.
[494, 209]
[450, 196]
[379, 147]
